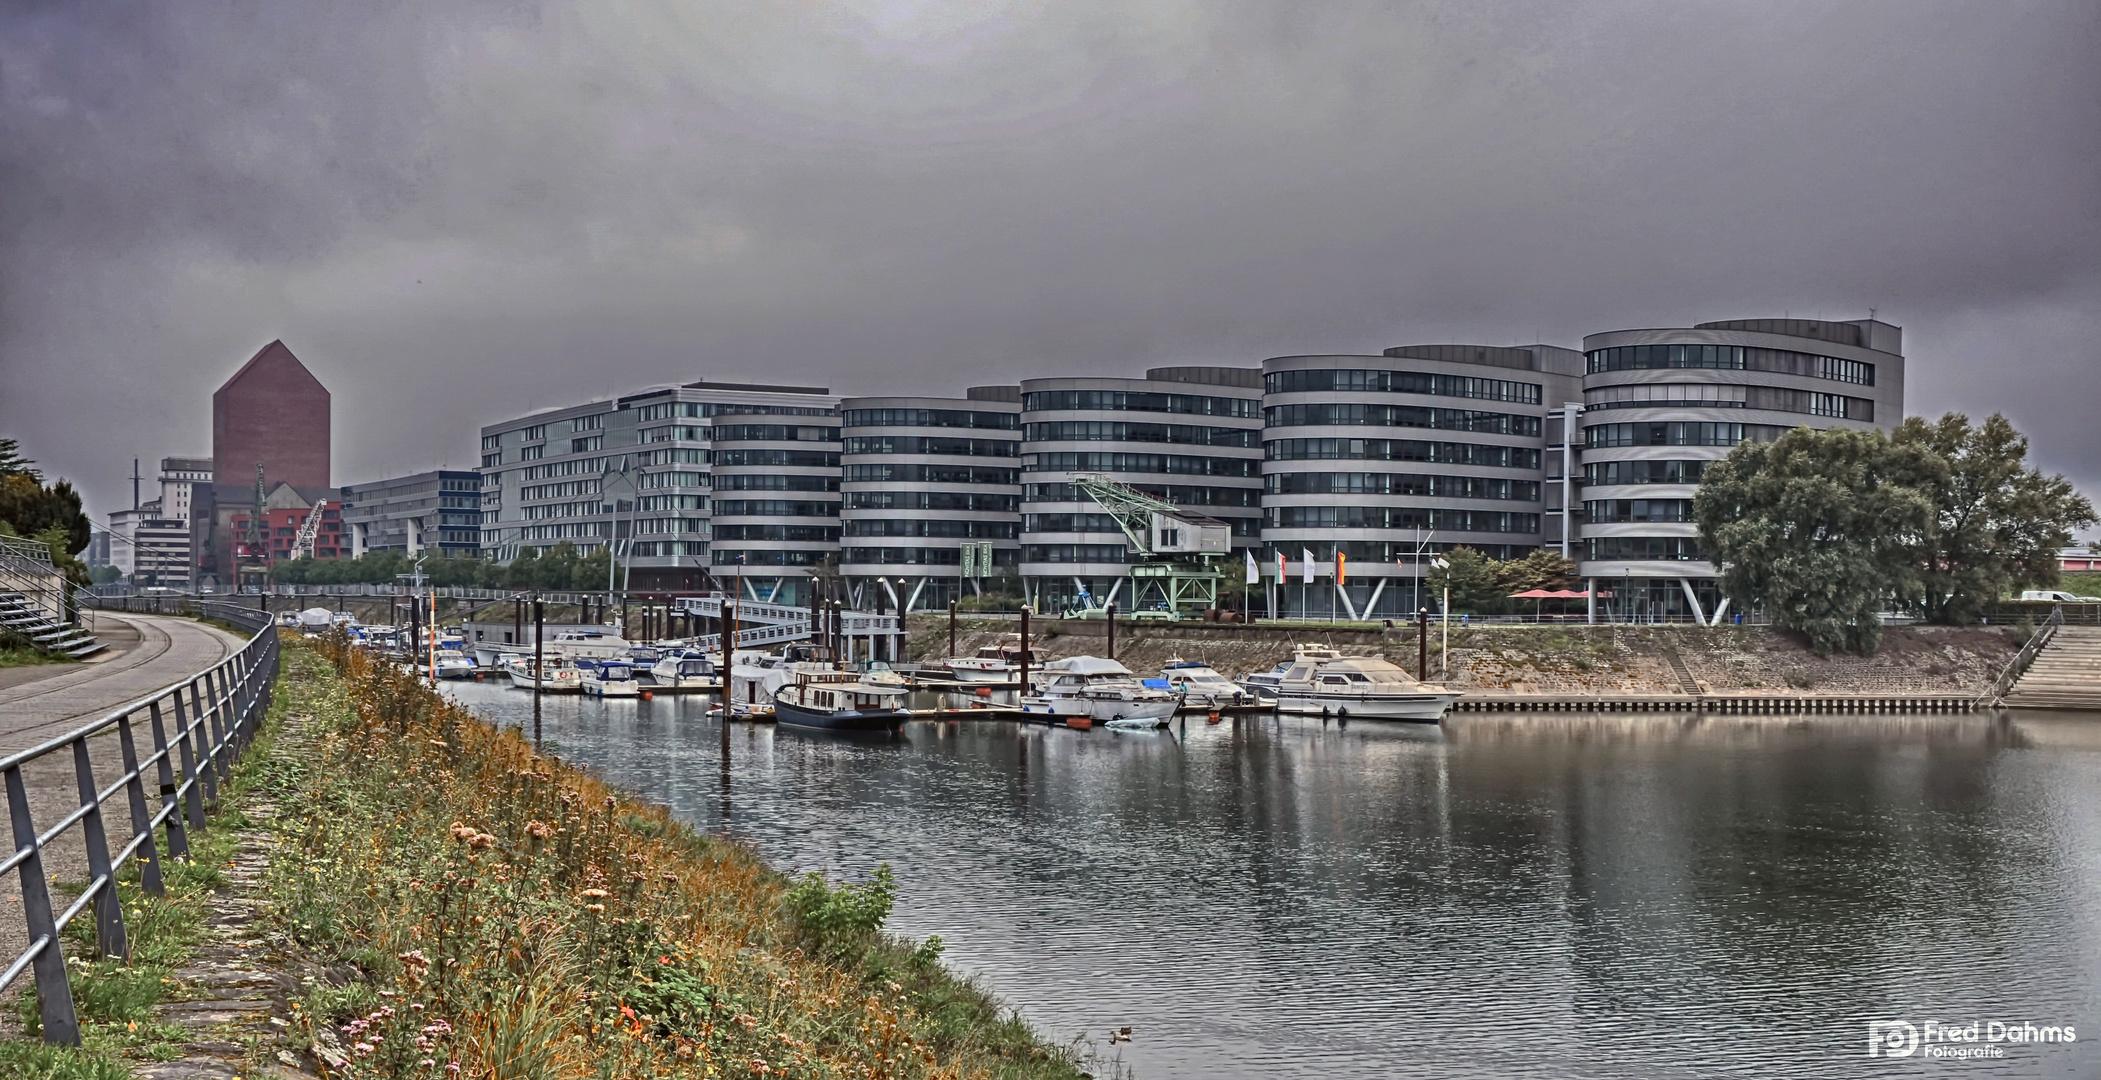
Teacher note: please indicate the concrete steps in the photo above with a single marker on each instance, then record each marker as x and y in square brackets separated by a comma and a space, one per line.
[27, 620]
[2066, 674]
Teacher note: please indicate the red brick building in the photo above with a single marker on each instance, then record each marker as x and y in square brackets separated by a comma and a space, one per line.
[273, 413]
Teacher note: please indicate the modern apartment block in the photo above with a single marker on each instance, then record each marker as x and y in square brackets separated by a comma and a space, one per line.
[150, 547]
[1385, 461]
[920, 478]
[1658, 405]
[636, 472]
[438, 512]
[1190, 435]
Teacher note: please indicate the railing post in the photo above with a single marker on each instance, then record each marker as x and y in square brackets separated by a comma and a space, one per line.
[215, 750]
[199, 768]
[54, 996]
[109, 909]
[141, 816]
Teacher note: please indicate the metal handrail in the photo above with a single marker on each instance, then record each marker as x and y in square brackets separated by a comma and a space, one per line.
[1996, 694]
[215, 714]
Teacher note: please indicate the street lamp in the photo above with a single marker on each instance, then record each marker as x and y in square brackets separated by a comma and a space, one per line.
[1444, 655]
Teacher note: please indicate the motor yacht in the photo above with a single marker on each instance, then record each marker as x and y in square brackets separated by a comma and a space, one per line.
[555, 677]
[839, 701]
[1098, 689]
[1262, 685]
[453, 664]
[999, 663]
[1359, 687]
[685, 668]
[1199, 684]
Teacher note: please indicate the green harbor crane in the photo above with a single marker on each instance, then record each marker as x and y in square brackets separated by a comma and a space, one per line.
[1174, 548]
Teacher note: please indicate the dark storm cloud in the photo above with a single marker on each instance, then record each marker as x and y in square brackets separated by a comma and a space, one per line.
[456, 216]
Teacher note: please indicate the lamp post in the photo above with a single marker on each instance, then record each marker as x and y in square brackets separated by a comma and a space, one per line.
[1444, 649]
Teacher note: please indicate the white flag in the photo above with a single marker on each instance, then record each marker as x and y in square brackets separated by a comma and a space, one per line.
[1308, 579]
[1254, 576]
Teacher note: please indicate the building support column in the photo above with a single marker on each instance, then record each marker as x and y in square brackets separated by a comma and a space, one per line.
[1590, 601]
[1371, 606]
[1699, 616]
[1344, 595]
[1720, 610]
[913, 600]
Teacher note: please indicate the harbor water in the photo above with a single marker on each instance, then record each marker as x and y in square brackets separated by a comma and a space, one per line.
[1504, 895]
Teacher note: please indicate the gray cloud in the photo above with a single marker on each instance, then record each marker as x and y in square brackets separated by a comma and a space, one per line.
[456, 213]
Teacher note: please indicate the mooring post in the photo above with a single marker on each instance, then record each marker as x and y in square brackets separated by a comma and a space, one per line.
[951, 628]
[1110, 610]
[539, 658]
[1023, 690]
[1422, 643]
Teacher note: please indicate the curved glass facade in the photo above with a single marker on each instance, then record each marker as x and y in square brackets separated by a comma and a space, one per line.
[920, 479]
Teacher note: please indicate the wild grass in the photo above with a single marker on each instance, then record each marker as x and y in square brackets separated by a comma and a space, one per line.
[493, 912]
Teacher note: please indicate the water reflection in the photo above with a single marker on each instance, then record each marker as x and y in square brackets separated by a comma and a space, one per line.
[1542, 896]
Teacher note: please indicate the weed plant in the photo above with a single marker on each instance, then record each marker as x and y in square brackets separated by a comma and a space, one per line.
[489, 911]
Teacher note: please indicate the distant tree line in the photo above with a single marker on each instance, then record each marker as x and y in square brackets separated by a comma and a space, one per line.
[1827, 529]
[561, 568]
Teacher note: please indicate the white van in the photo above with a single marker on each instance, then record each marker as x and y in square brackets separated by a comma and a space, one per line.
[2059, 596]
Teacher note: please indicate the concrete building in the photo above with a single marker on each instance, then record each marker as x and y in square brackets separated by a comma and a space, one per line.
[1659, 404]
[1190, 435]
[182, 483]
[272, 415]
[920, 478]
[775, 518]
[636, 471]
[437, 511]
[150, 547]
[1388, 460]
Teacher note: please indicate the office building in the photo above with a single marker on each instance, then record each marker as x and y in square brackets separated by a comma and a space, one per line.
[635, 472]
[1189, 435]
[920, 478]
[1659, 404]
[436, 512]
[149, 547]
[270, 428]
[1385, 461]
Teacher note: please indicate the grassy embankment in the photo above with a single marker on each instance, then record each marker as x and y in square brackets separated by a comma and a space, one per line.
[503, 914]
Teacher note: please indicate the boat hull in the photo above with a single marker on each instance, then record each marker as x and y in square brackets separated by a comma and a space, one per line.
[967, 674]
[523, 681]
[1099, 709]
[616, 688]
[1426, 708]
[789, 714]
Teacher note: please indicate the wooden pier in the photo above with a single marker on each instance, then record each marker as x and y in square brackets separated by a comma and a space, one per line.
[1766, 704]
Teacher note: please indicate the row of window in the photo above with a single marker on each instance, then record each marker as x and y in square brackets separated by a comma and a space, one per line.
[1717, 396]
[667, 410]
[1170, 464]
[1120, 431]
[1729, 358]
[1424, 485]
[677, 455]
[933, 527]
[918, 556]
[671, 479]
[888, 473]
[774, 433]
[929, 444]
[1070, 523]
[776, 459]
[1607, 473]
[1321, 414]
[1178, 494]
[933, 500]
[551, 511]
[920, 418]
[572, 467]
[776, 482]
[652, 526]
[564, 490]
[784, 534]
[674, 502]
[1644, 548]
[1359, 380]
[565, 531]
[1678, 433]
[1612, 511]
[1440, 519]
[1447, 453]
[767, 557]
[1074, 553]
[666, 549]
[773, 508]
[1140, 401]
[675, 433]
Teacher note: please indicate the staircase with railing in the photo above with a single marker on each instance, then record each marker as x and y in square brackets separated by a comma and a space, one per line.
[36, 601]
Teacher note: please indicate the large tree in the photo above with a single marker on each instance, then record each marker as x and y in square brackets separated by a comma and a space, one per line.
[1997, 522]
[1475, 580]
[1814, 528]
[33, 509]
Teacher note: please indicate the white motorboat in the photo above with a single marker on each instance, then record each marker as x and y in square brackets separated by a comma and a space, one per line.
[878, 673]
[1199, 684]
[685, 668]
[1263, 684]
[1359, 687]
[1098, 689]
[453, 664]
[572, 643]
[610, 678]
[558, 677]
[999, 663]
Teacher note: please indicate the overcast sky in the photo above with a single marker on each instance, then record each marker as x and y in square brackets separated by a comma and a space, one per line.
[455, 213]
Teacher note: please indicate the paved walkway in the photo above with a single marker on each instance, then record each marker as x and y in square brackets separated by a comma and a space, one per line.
[64, 697]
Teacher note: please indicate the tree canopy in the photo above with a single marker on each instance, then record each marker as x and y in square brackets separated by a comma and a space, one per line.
[561, 568]
[1483, 585]
[1826, 529]
[1998, 523]
[34, 509]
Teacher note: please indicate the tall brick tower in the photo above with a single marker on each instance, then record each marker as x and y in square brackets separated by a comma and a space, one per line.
[272, 412]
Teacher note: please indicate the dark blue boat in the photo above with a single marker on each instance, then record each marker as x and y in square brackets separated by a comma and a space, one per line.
[839, 701]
